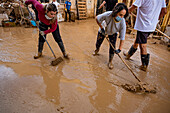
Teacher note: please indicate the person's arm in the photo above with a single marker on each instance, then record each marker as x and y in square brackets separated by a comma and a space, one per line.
[121, 44]
[163, 12]
[122, 34]
[131, 8]
[102, 5]
[52, 29]
[99, 23]
[36, 4]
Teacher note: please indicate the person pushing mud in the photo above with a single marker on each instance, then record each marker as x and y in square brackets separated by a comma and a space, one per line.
[110, 23]
[148, 13]
[47, 19]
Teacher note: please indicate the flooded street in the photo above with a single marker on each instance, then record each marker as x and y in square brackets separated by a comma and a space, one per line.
[81, 84]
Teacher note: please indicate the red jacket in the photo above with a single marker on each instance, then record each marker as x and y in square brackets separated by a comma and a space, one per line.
[41, 15]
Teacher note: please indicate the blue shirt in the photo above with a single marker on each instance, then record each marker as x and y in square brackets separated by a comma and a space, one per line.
[68, 5]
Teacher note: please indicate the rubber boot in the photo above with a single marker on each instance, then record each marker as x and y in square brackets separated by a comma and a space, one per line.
[145, 62]
[131, 51]
[61, 45]
[110, 65]
[95, 52]
[65, 55]
[40, 48]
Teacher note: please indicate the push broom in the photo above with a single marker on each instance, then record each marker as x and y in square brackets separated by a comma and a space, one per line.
[57, 60]
[140, 86]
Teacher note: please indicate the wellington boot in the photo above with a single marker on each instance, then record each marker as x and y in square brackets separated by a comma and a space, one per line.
[131, 51]
[145, 62]
[110, 65]
[143, 68]
[65, 55]
[95, 52]
[126, 55]
[38, 56]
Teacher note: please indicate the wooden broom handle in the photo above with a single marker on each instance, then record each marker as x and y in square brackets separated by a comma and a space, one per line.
[123, 60]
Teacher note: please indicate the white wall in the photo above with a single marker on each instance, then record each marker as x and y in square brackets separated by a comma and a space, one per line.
[89, 4]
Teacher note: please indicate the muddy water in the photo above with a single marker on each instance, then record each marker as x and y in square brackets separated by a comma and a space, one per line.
[80, 85]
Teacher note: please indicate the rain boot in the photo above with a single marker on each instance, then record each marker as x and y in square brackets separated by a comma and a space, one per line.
[95, 52]
[61, 45]
[131, 51]
[40, 48]
[145, 62]
[110, 65]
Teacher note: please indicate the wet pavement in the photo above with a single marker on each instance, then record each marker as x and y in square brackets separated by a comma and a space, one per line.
[81, 84]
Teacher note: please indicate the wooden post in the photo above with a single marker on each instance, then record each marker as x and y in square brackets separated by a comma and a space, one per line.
[166, 18]
[119, 1]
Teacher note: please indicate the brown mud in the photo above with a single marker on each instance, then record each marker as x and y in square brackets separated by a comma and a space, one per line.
[81, 84]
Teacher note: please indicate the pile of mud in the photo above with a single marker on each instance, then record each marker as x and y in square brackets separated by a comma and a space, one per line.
[139, 88]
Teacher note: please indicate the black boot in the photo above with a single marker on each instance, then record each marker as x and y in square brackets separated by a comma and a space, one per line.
[145, 62]
[110, 65]
[147, 59]
[131, 51]
[95, 52]
[61, 45]
[40, 48]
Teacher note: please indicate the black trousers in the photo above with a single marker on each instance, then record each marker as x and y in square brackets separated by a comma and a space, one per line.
[68, 11]
[56, 36]
[112, 39]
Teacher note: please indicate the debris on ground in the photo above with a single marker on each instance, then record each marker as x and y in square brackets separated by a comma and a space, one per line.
[13, 14]
[139, 88]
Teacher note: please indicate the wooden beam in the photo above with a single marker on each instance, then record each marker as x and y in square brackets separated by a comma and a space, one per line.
[166, 18]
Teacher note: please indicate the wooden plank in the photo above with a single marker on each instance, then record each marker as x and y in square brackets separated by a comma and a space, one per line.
[82, 8]
[166, 18]
[82, 17]
[81, 2]
[81, 5]
[82, 14]
[82, 11]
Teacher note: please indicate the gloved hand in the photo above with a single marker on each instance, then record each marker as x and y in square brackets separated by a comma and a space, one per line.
[117, 51]
[42, 33]
[103, 31]
[65, 9]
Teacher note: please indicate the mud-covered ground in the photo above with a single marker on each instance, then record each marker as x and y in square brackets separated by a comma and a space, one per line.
[82, 84]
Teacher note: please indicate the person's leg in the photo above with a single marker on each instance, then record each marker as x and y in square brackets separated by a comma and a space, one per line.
[112, 39]
[57, 37]
[65, 16]
[69, 15]
[133, 48]
[99, 41]
[41, 41]
[143, 50]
